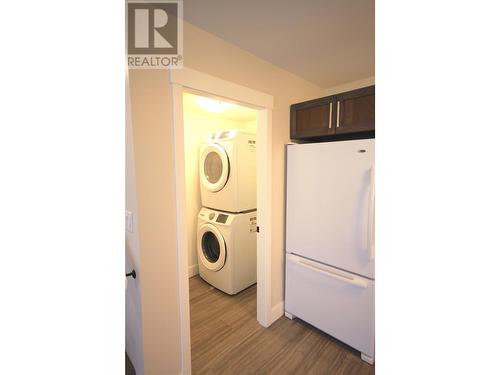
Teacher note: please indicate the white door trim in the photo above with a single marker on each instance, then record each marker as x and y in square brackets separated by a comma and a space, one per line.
[182, 232]
[184, 79]
[215, 86]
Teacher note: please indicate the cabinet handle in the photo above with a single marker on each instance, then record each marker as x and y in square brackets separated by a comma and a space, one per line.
[330, 117]
[338, 113]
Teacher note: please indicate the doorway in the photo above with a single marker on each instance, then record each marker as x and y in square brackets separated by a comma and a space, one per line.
[190, 81]
[220, 160]
[212, 128]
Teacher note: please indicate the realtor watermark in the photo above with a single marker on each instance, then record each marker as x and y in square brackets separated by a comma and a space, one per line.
[154, 34]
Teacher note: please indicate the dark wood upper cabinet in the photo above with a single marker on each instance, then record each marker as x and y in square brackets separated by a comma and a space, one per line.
[347, 114]
[311, 119]
[355, 111]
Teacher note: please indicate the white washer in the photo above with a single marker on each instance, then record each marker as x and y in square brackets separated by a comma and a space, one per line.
[227, 249]
[228, 171]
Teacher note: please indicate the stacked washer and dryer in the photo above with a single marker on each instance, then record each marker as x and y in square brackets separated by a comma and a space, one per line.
[227, 222]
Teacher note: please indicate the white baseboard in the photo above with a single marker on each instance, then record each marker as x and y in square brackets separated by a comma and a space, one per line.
[277, 311]
[193, 270]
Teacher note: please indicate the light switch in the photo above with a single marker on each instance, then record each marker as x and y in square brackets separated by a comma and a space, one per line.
[129, 223]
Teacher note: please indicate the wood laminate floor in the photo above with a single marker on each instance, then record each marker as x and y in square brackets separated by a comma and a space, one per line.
[227, 339]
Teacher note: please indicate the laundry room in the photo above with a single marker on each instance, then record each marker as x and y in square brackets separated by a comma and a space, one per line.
[220, 154]
[266, 187]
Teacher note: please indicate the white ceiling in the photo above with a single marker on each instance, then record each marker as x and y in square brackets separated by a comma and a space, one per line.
[327, 42]
[229, 111]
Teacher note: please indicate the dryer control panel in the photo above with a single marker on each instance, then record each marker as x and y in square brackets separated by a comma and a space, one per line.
[226, 134]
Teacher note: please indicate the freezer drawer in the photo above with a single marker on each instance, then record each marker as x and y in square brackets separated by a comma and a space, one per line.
[338, 303]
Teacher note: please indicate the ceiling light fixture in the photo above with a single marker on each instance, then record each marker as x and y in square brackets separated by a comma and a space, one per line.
[212, 105]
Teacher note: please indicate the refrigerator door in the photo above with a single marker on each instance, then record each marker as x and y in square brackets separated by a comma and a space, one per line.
[330, 204]
[336, 302]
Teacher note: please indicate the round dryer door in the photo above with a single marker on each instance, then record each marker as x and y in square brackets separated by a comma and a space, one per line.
[211, 247]
[214, 167]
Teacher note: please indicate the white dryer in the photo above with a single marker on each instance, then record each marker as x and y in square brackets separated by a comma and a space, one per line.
[228, 171]
[227, 249]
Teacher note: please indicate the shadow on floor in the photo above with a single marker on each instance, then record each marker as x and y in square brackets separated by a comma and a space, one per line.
[129, 367]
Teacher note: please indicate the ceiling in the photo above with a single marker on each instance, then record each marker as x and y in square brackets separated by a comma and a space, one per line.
[327, 42]
[200, 105]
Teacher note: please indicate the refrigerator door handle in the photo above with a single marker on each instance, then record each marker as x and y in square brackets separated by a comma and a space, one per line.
[371, 215]
[346, 279]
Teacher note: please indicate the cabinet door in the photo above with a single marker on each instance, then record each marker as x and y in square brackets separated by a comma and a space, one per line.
[355, 111]
[311, 119]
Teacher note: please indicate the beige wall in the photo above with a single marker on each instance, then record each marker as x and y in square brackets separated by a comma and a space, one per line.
[154, 162]
[197, 129]
[154, 157]
[350, 86]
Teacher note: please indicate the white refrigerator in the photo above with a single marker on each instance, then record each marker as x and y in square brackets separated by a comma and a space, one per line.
[330, 233]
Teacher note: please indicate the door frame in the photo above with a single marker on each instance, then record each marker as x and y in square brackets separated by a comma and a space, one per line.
[185, 79]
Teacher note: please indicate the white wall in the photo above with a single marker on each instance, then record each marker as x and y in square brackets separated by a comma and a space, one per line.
[197, 129]
[133, 314]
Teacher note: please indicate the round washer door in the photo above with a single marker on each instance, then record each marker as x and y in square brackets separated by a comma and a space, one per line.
[211, 247]
[214, 167]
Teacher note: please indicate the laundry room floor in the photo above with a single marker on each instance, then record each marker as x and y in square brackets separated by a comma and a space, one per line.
[227, 339]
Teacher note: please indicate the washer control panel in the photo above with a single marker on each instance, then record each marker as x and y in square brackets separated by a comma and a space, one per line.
[215, 216]
[222, 218]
